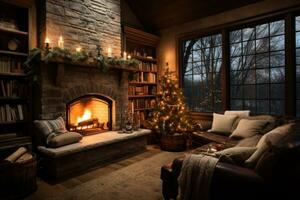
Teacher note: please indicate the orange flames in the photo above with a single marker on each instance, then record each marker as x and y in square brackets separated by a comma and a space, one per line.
[86, 116]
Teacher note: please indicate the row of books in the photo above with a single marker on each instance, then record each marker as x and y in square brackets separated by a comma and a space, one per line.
[141, 114]
[9, 113]
[147, 66]
[12, 88]
[147, 77]
[9, 140]
[142, 90]
[141, 104]
[10, 65]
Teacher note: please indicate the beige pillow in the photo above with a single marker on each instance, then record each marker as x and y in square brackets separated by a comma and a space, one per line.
[237, 154]
[239, 113]
[247, 128]
[64, 139]
[272, 137]
[222, 123]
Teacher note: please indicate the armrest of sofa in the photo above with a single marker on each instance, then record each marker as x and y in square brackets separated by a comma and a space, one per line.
[236, 173]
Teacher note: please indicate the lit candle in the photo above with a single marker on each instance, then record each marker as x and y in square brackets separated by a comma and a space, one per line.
[61, 42]
[47, 43]
[129, 57]
[109, 52]
[78, 49]
[124, 55]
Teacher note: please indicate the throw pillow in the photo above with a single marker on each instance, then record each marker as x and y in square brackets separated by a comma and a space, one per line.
[222, 123]
[272, 122]
[64, 139]
[239, 113]
[272, 137]
[247, 128]
[237, 154]
[46, 127]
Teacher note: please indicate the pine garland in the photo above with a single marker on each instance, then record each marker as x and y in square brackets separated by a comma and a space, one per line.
[102, 61]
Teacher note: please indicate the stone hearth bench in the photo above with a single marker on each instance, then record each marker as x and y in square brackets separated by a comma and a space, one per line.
[90, 151]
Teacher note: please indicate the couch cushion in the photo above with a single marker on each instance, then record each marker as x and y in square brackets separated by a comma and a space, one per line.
[249, 142]
[64, 139]
[222, 123]
[271, 138]
[248, 128]
[237, 154]
[207, 137]
[91, 142]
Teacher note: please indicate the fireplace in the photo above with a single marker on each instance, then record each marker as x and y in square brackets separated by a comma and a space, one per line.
[89, 114]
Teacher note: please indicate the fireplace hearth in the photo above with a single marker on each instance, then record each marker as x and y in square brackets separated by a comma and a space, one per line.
[89, 114]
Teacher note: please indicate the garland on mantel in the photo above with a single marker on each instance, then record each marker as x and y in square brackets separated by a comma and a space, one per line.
[57, 53]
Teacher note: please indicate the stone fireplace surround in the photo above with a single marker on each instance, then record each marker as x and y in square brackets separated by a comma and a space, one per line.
[60, 83]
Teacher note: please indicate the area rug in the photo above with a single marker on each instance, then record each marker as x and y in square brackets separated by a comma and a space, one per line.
[138, 181]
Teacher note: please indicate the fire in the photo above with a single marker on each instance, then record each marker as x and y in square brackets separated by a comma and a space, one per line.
[86, 115]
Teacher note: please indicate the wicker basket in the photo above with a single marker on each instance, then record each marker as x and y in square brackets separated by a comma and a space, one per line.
[176, 142]
[17, 180]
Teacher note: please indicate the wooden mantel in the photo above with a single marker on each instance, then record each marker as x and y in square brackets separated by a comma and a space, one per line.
[62, 63]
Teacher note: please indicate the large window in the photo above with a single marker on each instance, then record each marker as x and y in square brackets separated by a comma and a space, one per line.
[298, 64]
[201, 64]
[257, 68]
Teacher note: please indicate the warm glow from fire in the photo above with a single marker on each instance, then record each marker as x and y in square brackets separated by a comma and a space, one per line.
[86, 115]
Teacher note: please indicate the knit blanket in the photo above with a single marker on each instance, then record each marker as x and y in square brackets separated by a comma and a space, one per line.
[195, 177]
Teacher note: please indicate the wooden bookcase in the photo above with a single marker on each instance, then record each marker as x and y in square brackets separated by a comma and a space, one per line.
[16, 38]
[142, 89]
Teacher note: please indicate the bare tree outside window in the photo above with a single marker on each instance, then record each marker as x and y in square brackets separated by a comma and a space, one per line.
[257, 68]
[202, 60]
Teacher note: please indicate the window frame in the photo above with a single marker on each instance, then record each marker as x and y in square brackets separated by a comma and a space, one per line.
[290, 54]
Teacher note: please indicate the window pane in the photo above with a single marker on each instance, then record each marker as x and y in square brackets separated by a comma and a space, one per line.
[262, 60]
[262, 31]
[249, 91]
[236, 104]
[298, 23]
[262, 75]
[202, 80]
[277, 28]
[262, 45]
[277, 59]
[277, 91]
[236, 49]
[236, 63]
[298, 73]
[257, 74]
[262, 91]
[298, 39]
[277, 43]
[277, 107]
[248, 34]
[277, 75]
[235, 36]
[263, 106]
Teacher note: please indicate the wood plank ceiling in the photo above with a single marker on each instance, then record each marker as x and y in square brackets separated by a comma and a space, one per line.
[159, 14]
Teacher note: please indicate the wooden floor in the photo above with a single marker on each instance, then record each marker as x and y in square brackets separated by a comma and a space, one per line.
[45, 189]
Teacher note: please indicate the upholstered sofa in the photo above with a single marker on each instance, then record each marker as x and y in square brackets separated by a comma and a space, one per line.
[274, 176]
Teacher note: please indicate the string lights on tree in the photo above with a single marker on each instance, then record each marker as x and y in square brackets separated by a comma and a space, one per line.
[169, 115]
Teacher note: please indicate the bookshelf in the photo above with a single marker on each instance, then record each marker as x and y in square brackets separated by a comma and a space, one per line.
[142, 89]
[16, 22]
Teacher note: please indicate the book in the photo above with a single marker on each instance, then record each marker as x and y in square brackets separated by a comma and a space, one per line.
[20, 112]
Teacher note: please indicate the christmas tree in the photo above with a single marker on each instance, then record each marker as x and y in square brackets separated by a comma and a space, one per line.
[169, 115]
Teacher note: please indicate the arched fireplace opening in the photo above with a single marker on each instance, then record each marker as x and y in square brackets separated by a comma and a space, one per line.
[89, 114]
